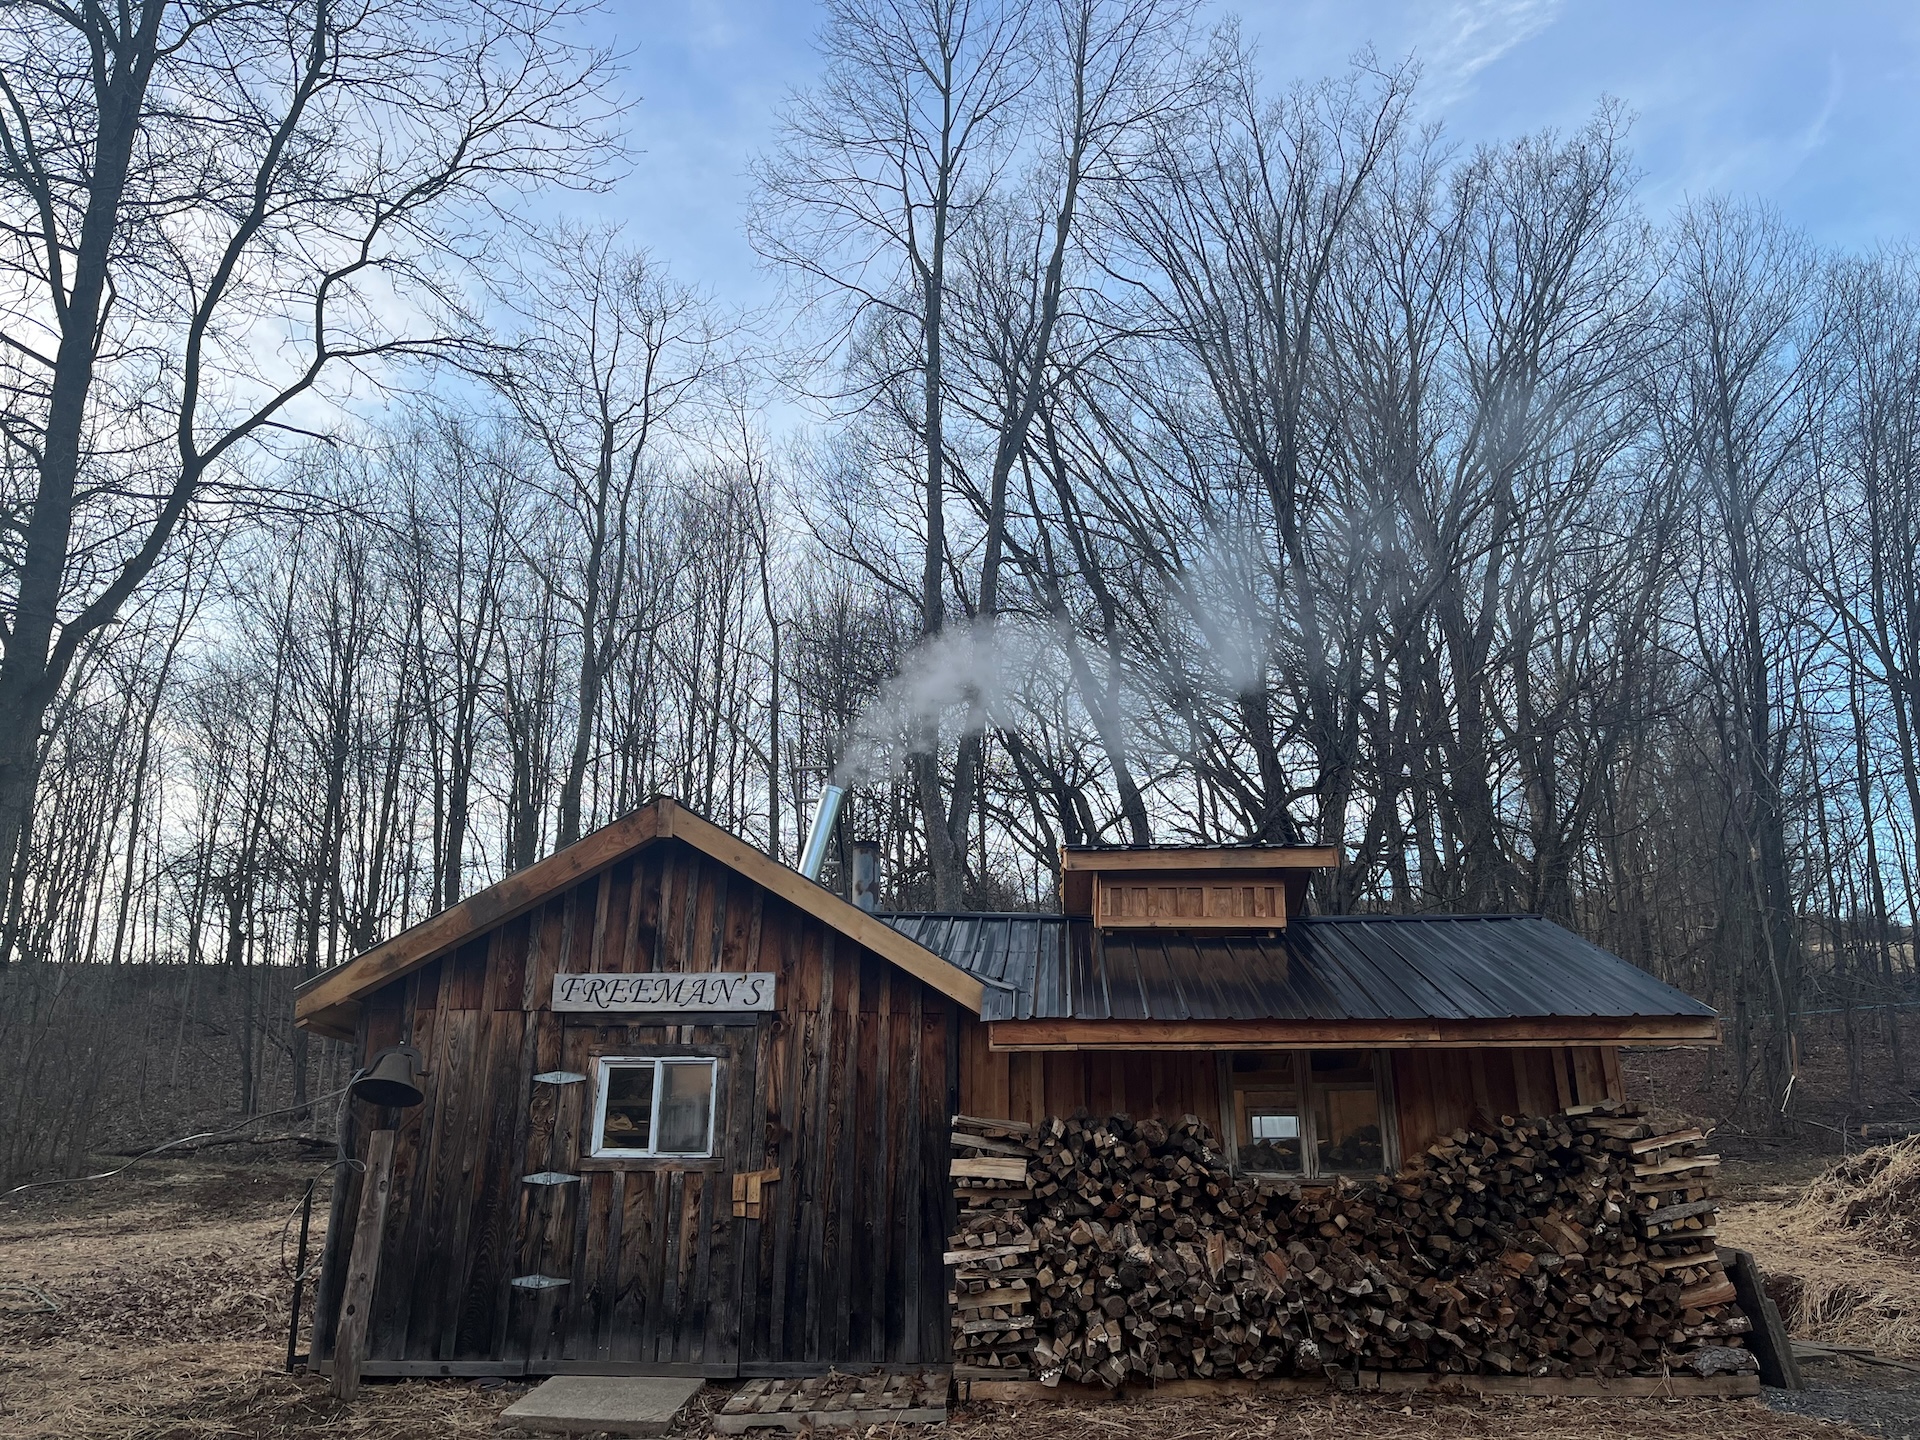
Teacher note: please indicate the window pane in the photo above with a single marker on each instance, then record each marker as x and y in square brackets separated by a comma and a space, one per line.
[1268, 1122]
[1349, 1130]
[686, 1107]
[629, 1107]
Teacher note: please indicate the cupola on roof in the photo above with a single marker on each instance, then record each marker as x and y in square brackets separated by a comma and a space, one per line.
[1190, 887]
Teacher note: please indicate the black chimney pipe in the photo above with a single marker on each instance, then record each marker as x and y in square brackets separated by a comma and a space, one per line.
[866, 875]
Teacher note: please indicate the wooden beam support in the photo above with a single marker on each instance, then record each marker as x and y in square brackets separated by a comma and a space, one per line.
[1525, 1032]
[1770, 1343]
[973, 1385]
[363, 1270]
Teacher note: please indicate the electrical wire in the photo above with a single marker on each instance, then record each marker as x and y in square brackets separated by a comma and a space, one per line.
[171, 1144]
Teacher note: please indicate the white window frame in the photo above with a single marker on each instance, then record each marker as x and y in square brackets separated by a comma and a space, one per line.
[1303, 1089]
[606, 1064]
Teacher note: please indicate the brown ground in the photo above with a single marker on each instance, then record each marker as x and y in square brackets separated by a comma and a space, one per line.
[170, 1287]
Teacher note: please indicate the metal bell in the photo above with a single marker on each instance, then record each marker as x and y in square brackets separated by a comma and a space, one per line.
[392, 1079]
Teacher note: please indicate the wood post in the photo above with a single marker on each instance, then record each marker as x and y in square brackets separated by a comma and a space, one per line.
[1770, 1344]
[350, 1340]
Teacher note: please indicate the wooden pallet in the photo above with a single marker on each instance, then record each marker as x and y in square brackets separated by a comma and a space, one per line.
[820, 1401]
[1393, 1381]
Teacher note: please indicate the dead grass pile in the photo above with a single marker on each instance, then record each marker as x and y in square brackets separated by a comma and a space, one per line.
[1875, 1194]
[1829, 1285]
[1840, 1259]
[1397, 1417]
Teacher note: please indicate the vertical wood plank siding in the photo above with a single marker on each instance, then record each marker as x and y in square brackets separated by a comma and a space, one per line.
[845, 1088]
[1436, 1091]
[1033, 1084]
[1434, 1100]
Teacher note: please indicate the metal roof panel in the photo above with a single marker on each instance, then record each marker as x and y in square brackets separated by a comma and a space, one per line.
[1361, 967]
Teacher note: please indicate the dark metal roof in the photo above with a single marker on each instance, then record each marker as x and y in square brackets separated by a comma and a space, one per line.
[1346, 967]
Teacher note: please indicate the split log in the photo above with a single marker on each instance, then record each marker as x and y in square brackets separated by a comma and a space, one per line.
[1506, 1250]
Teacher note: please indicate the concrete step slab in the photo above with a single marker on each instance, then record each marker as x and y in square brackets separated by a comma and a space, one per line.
[615, 1404]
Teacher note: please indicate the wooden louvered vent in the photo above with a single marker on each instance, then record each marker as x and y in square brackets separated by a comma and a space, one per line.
[1190, 902]
[1246, 888]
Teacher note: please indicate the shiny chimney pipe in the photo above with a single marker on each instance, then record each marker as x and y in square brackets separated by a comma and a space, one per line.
[825, 811]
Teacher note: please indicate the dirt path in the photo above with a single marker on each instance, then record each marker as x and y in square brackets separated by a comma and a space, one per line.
[1872, 1399]
[171, 1305]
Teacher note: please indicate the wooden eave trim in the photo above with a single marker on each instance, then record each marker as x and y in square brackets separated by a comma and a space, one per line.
[317, 1000]
[1259, 1034]
[790, 885]
[341, 1022]
[1276, 857]
[498, 903]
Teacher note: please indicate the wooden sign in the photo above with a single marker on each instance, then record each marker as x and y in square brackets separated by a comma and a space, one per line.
[663, 993]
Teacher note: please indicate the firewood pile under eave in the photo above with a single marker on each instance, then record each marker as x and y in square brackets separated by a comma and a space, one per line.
[1112, 1251]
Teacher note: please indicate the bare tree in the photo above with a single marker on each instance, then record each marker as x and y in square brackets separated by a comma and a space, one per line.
[879, 169]
[614, 351]
[1749, 382]
[175, 176]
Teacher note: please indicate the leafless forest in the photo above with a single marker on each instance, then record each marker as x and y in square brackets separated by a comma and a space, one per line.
[1140, 450]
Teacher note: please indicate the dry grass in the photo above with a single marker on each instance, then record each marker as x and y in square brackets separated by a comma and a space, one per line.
[213, 1392]
[172, 1296]
[1840, 1260]
[224, 1392]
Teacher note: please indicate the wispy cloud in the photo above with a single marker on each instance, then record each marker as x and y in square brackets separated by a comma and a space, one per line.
[1468, 36]
[1806, 106]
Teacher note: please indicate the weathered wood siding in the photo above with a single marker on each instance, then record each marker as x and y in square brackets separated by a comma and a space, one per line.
[1435, 1091]
[1033, 1084]
[846, 1088]
[1439, 1091]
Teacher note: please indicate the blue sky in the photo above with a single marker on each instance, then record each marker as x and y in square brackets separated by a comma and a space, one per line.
[1810, 106]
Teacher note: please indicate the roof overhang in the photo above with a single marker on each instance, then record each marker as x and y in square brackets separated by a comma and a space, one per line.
[329, 1004]
[1518, 1033]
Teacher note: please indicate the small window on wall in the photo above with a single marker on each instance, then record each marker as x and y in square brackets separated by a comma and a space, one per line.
[654, 1108]
[1310, 1113]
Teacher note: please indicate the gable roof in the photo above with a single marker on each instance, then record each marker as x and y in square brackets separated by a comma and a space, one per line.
[1423, 970]
[328, 1003]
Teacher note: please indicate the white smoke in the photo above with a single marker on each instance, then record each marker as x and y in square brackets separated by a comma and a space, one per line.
[1225, 589]
[969, 674]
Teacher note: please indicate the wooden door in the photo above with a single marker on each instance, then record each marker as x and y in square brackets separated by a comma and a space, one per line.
[648, 1248]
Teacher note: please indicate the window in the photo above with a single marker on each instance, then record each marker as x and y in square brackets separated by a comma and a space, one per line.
[648, 1108]
[1267, 1115]
[1301, 1112]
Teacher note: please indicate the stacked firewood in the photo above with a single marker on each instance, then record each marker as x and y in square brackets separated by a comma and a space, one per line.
[1116, 1250]
[993, 1247]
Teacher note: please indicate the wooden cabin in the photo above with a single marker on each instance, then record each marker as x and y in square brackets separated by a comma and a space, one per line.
[686, 1111]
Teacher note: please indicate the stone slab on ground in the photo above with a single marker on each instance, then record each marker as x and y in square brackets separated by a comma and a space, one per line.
[616, 1404]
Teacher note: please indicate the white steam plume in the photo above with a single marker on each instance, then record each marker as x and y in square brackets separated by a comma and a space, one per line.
[973, 670]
